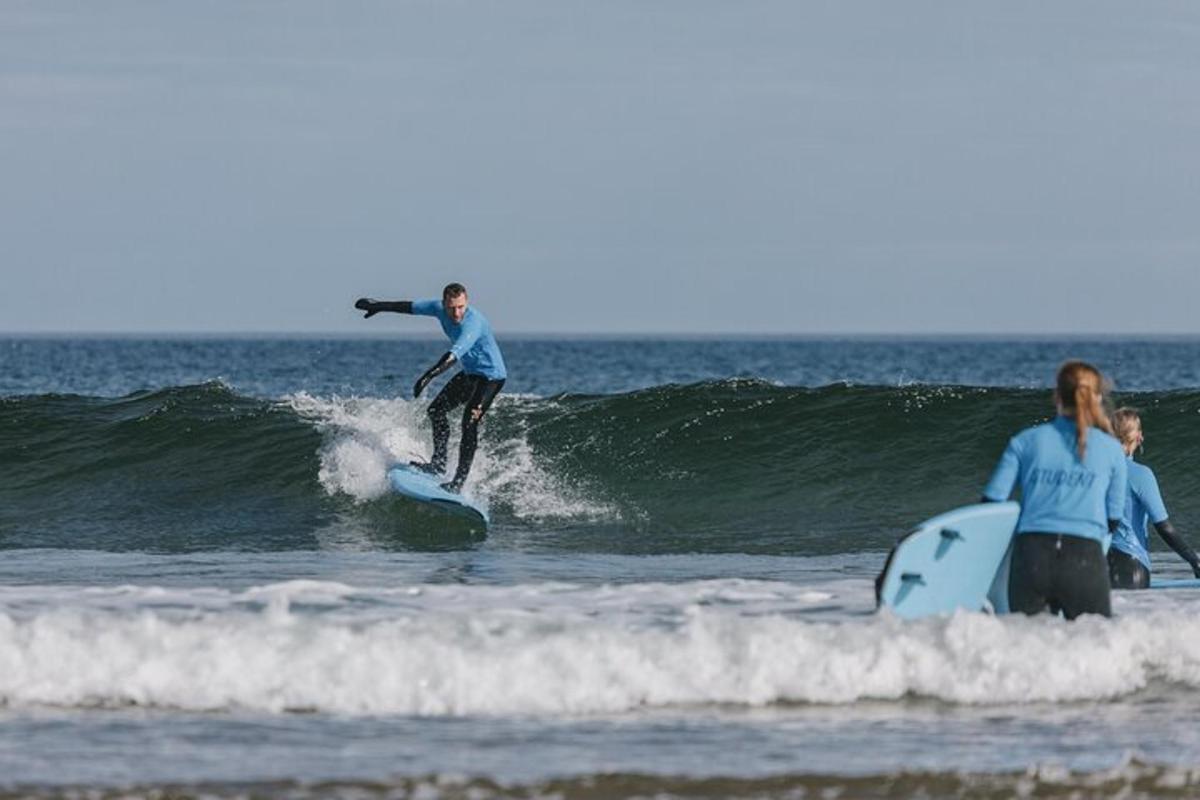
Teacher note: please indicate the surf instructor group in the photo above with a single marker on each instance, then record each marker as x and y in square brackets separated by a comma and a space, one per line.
[474, 347]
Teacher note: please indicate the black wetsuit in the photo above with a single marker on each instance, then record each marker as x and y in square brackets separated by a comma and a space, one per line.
[477, 392]
[1125, 571]
[1058, 573]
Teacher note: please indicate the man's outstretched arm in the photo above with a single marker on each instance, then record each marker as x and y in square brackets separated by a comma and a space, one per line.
[373, 307]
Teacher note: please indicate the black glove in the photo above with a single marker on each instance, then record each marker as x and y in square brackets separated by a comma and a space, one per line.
[443, 364]
[368, 305]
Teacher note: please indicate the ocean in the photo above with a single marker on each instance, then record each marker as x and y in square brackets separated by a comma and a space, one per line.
[207, 590]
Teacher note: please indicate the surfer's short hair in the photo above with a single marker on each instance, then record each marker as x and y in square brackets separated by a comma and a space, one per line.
[453, 290]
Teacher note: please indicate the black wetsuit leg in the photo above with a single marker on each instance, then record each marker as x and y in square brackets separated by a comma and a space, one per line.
[483, 393]
[1029, 575]
[1081, 582]
[1125, 571]
[456, 392]
[1057, 572]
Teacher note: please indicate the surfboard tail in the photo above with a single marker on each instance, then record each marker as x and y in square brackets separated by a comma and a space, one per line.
[954, 560]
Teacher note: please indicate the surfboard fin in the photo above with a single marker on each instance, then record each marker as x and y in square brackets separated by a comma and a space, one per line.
[908, 581]
[948, 537]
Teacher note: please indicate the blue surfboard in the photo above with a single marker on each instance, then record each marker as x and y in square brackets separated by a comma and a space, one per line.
[954, 560]
[1183, 583]
[425, 488]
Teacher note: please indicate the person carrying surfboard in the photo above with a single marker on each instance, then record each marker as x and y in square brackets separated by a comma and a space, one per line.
[1129, 556]
[1072, 474]
[483, 373]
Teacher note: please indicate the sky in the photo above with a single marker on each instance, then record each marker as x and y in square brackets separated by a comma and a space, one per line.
[614, 167]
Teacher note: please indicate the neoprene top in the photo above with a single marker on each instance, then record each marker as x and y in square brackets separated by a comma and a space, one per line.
[472, 342]
[1059, 493]
[1142, 501]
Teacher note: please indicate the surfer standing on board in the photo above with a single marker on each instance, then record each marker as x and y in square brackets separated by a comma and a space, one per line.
[1129, 556]
[1072, 474]
[482, 376]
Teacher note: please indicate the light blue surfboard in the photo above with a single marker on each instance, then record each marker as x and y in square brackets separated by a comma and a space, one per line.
[955, 560]
[1182, 583]
[425, 488]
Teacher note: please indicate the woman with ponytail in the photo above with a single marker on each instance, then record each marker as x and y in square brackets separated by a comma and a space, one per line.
[1072, 474]
[1129, 556]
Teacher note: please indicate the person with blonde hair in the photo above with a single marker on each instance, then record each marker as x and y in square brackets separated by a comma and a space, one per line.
[1072, 474]
[1129, 556]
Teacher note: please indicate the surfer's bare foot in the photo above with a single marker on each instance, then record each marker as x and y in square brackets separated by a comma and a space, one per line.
[453, 486]
[427, 466]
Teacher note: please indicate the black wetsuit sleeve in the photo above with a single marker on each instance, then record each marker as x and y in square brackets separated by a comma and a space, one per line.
[373, 307]
[398, 306]
[444, 363]
[1169, 535]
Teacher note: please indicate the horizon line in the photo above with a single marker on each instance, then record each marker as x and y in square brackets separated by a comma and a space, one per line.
[600, 335]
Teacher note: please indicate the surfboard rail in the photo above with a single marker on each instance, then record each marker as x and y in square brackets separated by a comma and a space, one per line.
[424, 488]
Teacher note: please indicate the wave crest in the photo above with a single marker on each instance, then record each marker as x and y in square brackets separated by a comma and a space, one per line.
[727, 466]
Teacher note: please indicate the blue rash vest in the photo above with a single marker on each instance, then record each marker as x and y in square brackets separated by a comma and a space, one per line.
[472, 342]
[1060, 494]
[1143, 501]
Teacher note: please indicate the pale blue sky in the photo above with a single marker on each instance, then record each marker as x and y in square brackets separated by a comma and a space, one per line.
[593, 167]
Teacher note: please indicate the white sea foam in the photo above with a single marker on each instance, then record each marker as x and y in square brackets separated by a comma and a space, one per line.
[365, 436]
[555, 649]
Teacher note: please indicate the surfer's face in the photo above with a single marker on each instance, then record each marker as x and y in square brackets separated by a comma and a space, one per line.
[456, 307]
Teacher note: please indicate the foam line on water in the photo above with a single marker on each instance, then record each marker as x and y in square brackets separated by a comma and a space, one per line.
[558, 650]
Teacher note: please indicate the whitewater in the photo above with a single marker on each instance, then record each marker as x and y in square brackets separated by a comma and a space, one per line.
[560, 649]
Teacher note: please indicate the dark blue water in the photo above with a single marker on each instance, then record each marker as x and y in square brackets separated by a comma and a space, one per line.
[788, 447]
[385, 367]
